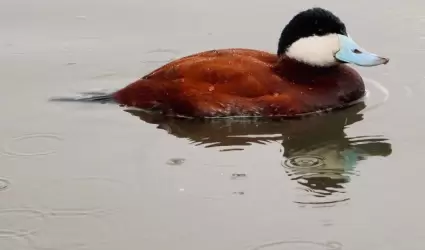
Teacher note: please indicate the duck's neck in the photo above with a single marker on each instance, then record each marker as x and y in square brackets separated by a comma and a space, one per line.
[292, 69]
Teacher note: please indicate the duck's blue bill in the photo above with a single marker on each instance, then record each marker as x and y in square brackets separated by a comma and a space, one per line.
[350, 52]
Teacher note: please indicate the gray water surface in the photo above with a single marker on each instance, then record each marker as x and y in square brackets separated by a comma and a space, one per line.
[95, 176]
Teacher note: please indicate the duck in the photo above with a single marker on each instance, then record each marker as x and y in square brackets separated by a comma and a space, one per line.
[309, 73]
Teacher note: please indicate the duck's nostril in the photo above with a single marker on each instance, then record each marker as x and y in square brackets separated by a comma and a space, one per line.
[357, 51]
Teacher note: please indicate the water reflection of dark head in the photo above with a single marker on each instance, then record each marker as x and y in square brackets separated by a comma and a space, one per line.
[317, 152]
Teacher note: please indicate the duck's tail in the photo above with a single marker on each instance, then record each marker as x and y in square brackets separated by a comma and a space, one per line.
[93, 96]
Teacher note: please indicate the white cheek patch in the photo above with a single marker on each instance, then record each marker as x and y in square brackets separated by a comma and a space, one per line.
[315, 50]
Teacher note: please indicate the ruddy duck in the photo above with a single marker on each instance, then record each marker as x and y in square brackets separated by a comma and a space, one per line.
[308, 74]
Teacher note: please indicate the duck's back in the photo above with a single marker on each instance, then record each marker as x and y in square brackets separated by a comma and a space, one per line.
[211, 83]
[239, 72]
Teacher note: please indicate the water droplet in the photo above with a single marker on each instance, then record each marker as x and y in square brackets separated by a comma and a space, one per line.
[237, 176]
[4, 184]
[327, 223]
[176, 161]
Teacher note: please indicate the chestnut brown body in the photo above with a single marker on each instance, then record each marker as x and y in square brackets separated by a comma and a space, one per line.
[242, 82]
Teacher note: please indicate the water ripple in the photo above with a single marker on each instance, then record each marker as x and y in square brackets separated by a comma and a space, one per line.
[20, 222]
[324, 168]
[167, 54]
[376, 95]
[281, 245]
[305, 161]
[318, 177]
[82, 196]
[35, 141]
[14, 243]
[72, 233]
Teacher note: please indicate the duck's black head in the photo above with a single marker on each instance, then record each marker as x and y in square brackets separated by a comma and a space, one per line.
[311, 22]
[319, 38]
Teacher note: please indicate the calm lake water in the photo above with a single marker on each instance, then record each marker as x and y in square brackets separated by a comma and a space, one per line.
[90, 176]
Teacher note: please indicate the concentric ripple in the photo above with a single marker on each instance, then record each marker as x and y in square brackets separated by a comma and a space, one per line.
[320, 180]
[322, 170]
[32, 145]
[305, 161]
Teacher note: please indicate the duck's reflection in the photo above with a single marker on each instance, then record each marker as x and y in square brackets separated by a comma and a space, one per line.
[316, 151]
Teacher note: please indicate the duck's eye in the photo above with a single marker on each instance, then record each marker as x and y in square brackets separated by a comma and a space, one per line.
[356, 51]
